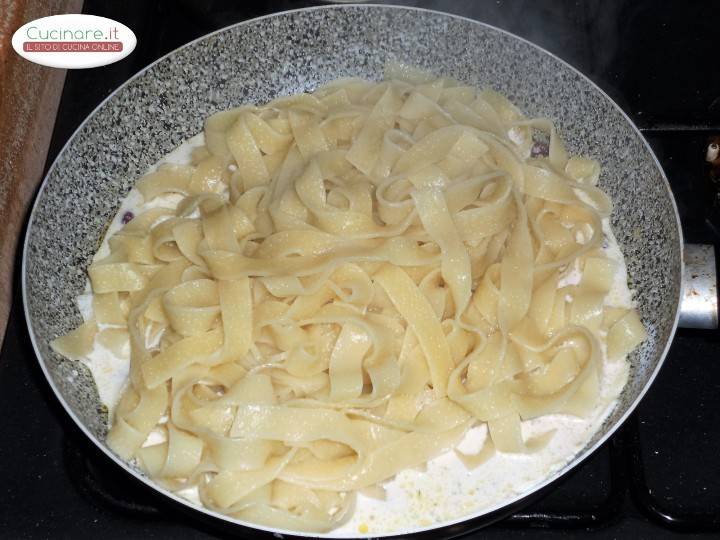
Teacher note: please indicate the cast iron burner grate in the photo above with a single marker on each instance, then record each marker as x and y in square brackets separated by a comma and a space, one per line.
[591, 497]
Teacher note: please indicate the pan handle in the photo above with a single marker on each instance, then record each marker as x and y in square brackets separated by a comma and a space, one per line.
[699, 304]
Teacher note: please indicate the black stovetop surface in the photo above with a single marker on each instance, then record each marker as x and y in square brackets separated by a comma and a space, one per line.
[658, 475]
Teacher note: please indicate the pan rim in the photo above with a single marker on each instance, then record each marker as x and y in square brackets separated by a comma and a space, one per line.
[486, 512]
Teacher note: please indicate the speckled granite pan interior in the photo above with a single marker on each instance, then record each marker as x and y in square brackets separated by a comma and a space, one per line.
[296, 51]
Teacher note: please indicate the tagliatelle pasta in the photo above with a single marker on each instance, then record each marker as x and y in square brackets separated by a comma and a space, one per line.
[344, 284]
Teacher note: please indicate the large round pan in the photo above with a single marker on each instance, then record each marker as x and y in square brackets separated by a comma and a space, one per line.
[295, 51]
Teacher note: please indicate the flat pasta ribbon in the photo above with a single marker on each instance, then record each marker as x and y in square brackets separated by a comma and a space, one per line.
[341, 285]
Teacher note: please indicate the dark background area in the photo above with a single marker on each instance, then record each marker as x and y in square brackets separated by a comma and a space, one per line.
[660, 474]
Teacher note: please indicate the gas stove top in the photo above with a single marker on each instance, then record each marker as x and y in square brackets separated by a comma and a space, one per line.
[658, 476]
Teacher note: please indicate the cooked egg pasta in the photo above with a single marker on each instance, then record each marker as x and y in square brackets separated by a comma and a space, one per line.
[345, 283]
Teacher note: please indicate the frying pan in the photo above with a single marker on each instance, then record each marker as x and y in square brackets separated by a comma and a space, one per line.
[295, 51]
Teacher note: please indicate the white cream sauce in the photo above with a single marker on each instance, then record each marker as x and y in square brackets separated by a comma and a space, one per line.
[445, 490]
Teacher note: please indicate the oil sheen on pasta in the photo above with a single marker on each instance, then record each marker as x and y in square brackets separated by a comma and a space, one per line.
[363, 310]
